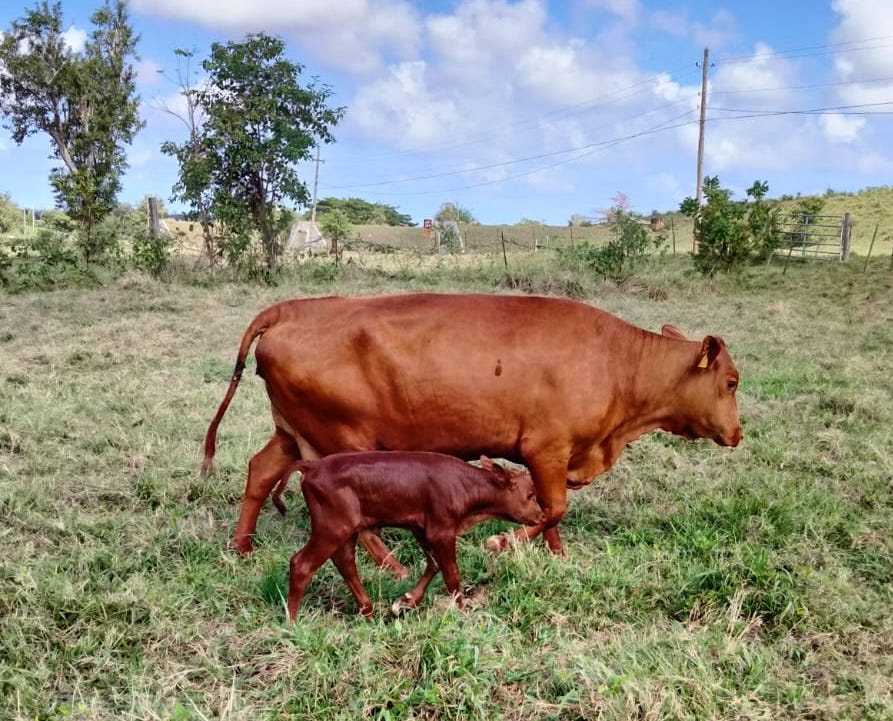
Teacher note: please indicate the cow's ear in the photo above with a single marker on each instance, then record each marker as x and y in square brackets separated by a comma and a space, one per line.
[486, 463]
[671, 331]
[710, 348]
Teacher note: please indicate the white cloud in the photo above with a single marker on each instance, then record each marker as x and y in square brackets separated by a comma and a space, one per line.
[720, 30]
[863, 59]
[672, 23]
[841, 129]
[75, 38]
[627, 10]
[403, 110]
[148, 73]
[354, 35]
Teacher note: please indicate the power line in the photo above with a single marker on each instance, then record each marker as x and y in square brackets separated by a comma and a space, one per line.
[867, 81]
[803, 52]
[838, 109]
[590, 149]
[514, 161]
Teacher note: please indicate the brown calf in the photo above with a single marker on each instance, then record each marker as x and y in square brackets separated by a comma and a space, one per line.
[436, 497]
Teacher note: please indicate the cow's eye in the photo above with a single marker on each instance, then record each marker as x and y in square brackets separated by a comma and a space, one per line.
[732, 385]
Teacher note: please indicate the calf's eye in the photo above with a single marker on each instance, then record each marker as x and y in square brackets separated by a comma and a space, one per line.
[732, 385]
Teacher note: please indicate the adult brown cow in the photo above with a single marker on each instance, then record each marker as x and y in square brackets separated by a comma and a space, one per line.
[555, 384]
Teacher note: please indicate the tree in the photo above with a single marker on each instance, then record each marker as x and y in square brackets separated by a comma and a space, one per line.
[84, 100]
[452, 211]
[362, 212]
[193, 184]
[730, 232]
[258, 123]
[335, 225]
[10, 214]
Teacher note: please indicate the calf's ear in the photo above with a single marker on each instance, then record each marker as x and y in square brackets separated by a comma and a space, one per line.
[671, 331]
[710, 348]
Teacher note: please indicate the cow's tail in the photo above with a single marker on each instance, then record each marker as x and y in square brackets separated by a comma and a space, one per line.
[264, 320]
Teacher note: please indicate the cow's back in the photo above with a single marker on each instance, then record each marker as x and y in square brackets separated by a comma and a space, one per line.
[459, 374]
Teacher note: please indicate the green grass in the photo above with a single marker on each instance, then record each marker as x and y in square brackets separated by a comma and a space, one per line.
[700, 582]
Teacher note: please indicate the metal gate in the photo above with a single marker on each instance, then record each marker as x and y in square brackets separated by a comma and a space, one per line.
[816, 236]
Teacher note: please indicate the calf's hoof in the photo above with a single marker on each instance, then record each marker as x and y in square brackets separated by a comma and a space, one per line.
[498, 543]
[402, 605]
[366, 612]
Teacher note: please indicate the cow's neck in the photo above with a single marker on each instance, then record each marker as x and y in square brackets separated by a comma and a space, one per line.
[656, 381]
[647, 394]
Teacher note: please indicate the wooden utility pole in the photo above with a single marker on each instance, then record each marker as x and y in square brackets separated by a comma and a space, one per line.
[701, 125]
[315, 186]
[700, 181]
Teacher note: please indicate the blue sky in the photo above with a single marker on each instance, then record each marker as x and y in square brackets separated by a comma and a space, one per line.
[536, 109]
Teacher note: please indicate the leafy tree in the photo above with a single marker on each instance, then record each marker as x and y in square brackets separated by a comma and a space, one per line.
[730, 233]
[335, 226]
[259, 121]
[84, 100]
[10, 215]
[362, 212]
[193, 185]
[452, 211]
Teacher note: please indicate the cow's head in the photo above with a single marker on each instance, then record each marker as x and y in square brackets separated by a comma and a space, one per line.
[516, 495]
[707, 407]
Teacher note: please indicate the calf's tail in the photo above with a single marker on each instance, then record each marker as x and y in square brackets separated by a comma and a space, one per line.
[262, 322]
[301, 466]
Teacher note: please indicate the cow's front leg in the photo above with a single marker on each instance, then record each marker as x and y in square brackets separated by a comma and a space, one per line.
[381, 554]
[550, 478]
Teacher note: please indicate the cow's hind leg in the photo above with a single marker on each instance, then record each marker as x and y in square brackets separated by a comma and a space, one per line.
[550, 479]
[268, 466]
[381, 554]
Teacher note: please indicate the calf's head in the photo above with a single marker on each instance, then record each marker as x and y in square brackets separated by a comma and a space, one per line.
[514, 495]
[706, 406]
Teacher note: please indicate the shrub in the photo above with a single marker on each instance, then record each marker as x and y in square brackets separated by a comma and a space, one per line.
[619, 256]
[732, 233]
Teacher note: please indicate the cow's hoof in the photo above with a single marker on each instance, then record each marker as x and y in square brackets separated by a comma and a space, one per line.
[396, 570]
[366, 612]
[497, 543]
[242, 546]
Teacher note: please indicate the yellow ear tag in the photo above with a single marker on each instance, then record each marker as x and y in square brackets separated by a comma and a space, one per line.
[703, 363]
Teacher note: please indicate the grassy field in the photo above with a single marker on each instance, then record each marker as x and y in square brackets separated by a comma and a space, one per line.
[700, 582]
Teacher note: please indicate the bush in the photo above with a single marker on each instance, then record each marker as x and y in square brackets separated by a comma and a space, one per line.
[619, 256]
[46, 262]
[732, 233]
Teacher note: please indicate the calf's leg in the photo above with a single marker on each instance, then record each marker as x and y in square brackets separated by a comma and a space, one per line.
[319, 549]
[414, 597]
[443, 548]
[345, 561]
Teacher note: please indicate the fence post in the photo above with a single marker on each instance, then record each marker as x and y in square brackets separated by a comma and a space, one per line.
[673, 233]
[154, 226]
[871, 247]
[505, 259]
[846, 231]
